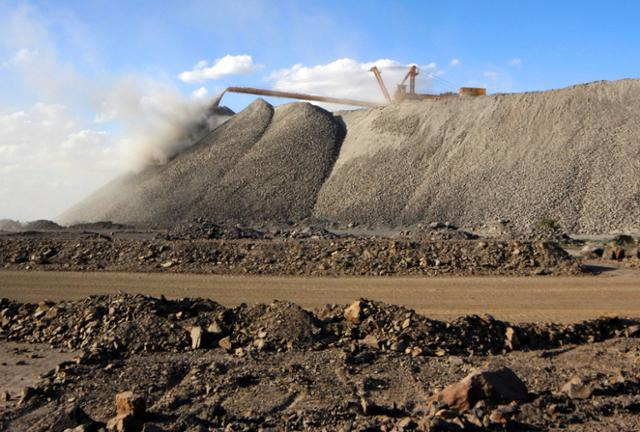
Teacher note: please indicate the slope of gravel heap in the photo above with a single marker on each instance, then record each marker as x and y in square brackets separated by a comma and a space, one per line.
[289, 256]
[262, 164]
[560, 155]
[160, 195]
[118, 325]
[280, 177]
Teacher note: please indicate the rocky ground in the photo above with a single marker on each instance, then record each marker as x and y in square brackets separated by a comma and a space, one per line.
[194, 365]
[203, 247]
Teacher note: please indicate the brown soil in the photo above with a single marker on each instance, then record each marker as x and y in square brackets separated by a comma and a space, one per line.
[519, 299]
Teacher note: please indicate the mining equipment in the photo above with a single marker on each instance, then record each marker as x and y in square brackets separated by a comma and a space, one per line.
[400, 95]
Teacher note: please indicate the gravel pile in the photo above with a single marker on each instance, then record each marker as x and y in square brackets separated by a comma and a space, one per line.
[570, 156]
[554, 158]
[262, 164]
[121, 325]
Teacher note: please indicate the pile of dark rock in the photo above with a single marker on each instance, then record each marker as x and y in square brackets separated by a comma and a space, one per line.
[438, 231]
[310, 256]
[194, 365]
[122, 325]
[101, 226]
[201, 228]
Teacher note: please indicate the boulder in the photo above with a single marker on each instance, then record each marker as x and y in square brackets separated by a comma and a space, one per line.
[496, 386]
[128, 403]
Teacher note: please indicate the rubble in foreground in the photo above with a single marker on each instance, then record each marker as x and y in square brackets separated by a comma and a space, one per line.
[194, 365]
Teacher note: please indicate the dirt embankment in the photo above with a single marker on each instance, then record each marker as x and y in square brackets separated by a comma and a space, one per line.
[311, 257]
[196, 365]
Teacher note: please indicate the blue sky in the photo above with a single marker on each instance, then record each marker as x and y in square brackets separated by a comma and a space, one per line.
[79, 78]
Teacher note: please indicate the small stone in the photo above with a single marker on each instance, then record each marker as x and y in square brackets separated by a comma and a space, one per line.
[225, 343]
[196, 337]
[370, 341]
[214, 329]
[398, 346]
[512, 342]
[4, 396]
[353, 313]
[406, 323]
[125, 423]
[633, 330]
[577, 388]
[365, 405]
[503, 414]
[259, 344]
[416, 351]
[406, 424]
[447, 414]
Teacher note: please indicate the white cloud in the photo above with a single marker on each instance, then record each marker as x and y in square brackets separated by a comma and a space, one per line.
[51, 152]
[348, 78]
[455, 62]
[23, 55]
[200, 93]
[47, 163]
[515, 61]
[491, 74]
[222, 67]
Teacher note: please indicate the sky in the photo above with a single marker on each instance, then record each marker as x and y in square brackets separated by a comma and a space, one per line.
[89, 88]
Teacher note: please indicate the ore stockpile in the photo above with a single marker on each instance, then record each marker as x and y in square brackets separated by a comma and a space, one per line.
[569, 155]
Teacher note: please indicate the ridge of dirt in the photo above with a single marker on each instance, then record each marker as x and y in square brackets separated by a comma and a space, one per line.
[311, 254]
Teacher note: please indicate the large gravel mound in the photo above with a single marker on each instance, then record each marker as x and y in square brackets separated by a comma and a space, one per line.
[262, 164]
[571, 155]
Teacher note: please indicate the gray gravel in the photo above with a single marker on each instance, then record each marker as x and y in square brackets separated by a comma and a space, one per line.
[571, 155]
[263, 164]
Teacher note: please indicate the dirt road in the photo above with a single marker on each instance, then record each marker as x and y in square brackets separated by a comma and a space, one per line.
[518, 299]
